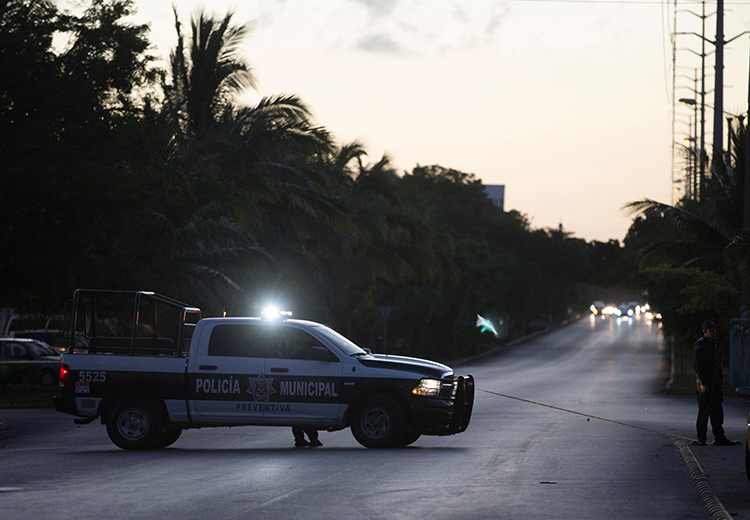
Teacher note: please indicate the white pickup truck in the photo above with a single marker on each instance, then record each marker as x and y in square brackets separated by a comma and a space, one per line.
[149, 367]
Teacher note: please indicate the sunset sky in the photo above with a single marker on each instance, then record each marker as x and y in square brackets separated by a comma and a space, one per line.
[566, 103]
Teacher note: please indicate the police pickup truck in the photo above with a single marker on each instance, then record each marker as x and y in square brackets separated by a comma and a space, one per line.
[149, 367]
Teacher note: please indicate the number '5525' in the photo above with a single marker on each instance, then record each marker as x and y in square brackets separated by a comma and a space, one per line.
[95, 376]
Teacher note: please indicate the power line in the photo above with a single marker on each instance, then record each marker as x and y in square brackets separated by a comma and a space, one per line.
[613, 2]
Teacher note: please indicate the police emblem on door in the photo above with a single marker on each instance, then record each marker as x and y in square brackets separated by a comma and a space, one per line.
[261, 388]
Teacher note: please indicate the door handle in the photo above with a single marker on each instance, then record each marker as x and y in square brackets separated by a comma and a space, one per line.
[278, 369]
[208, 367]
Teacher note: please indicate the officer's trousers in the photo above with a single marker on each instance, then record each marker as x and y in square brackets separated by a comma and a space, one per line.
[709, 407]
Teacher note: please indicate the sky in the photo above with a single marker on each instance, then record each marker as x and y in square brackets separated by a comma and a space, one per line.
[566, 103]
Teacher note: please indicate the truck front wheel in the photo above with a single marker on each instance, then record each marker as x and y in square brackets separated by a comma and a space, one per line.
[135, 424]
[410, 437]
[169, 436]
[378, 422]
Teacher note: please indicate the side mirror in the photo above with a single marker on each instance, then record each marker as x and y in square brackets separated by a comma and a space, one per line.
[743, 391]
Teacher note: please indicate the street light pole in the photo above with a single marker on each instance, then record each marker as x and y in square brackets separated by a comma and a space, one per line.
[692, 177]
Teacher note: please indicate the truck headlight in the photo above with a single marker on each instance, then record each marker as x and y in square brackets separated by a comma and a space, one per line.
[427, 387]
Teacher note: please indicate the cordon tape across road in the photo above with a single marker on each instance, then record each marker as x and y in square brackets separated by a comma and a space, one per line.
[711, 504]
[586, 415]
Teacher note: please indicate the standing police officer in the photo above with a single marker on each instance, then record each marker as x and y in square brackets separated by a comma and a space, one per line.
[707, 365]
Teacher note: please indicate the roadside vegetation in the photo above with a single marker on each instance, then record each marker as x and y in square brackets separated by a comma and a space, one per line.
[694, 255]
[118, 174]
[694, 260]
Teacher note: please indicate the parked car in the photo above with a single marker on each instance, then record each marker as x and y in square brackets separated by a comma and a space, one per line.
[28, 360]
[44, 328]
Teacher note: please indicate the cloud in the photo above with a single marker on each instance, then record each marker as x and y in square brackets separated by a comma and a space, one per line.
[379, 43]
[421, 27]
[378, 8]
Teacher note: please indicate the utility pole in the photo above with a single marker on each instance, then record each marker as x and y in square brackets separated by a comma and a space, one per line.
[700, 144]
[719, 84]
[745, 306]
[702, 151]
[674, 95]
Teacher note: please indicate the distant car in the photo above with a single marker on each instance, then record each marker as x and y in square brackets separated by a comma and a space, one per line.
[744, 391]
[625, 311]
[28, 360]
[597, 307]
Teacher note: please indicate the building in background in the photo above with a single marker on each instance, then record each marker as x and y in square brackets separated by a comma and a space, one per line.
[496, 193]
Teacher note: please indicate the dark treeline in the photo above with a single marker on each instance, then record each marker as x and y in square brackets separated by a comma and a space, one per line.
[117, 174]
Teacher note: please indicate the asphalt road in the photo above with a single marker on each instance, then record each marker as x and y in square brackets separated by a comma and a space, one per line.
[516, 460]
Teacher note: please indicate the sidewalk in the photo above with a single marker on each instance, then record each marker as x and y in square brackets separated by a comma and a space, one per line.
[724, 466]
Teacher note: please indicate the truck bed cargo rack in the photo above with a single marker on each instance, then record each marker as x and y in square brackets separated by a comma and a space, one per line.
[129, 323]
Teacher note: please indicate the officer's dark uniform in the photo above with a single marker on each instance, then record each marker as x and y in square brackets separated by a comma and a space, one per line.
[707, 365]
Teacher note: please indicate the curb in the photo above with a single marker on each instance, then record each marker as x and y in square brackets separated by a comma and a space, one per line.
[711, 504]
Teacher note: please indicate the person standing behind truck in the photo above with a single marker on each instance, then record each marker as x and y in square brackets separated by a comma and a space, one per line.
[710, 379]
[304, 352]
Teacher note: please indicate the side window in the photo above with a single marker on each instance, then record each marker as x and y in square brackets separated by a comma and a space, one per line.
[18, 351]
[298, 344]
[4, 350]
[237, 340]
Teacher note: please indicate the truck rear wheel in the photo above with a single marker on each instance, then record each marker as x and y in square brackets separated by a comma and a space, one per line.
[135, 424]
[378, 422]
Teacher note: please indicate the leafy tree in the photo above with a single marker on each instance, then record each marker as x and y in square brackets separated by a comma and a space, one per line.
[67, 122]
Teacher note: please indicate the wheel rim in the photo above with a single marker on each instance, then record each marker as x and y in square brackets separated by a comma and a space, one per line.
[375, 423]
[47, 380]
[132, 424]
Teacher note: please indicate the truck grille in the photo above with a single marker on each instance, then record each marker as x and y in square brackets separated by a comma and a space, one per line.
[449, 388]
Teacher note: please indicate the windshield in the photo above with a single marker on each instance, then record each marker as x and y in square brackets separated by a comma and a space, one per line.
[42, 349]
[346, 346]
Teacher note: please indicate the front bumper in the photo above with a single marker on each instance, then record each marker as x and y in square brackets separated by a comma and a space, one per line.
[446, 417]
[463, 405]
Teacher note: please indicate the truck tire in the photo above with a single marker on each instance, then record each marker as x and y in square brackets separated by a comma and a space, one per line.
[410, 437]
[135, 424]
[169, 436]
[378, 422]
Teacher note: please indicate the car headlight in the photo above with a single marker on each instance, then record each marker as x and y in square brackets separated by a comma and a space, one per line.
[427, 387]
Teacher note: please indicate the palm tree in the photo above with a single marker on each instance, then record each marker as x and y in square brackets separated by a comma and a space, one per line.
[699, 231]
[205, 82]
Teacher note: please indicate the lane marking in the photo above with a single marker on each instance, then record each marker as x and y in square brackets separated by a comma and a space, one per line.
[586, 415]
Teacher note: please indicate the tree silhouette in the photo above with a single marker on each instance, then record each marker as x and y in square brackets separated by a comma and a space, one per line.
[206, 79]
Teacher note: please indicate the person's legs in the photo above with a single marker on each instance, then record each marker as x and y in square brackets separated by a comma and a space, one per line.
[716, 414]
[312, 433]
[299, 436]
[704, 410]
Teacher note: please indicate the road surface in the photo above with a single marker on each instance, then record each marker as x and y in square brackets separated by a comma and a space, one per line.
[516, 460]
